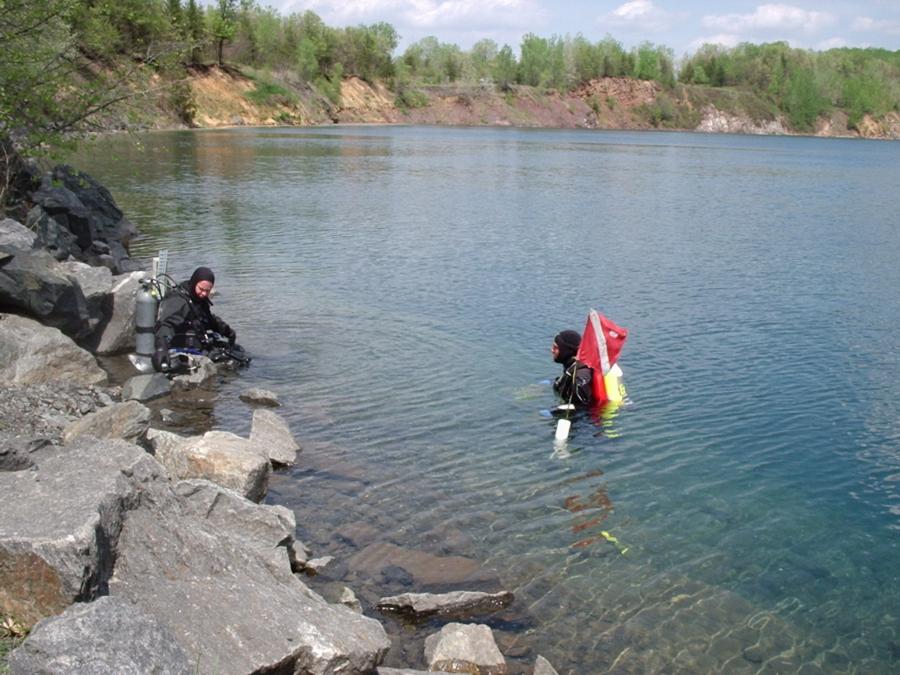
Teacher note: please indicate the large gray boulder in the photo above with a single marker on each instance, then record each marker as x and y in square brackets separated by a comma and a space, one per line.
[466, 648]
[60, 522]
[95, 284]
[15, 235]
[271, 432]
[31, 353]
[455, 602]
[221, 457]
[128, 420]
[266, 528]
[109, 636]
[232, 609]
[115, 333]
[35, 284]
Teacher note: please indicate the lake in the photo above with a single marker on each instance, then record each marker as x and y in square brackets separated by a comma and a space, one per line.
[399, 288]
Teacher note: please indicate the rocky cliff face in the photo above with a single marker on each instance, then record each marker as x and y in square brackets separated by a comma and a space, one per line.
[608, 103]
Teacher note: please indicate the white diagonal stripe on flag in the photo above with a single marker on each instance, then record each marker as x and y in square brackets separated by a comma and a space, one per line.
[601, 341]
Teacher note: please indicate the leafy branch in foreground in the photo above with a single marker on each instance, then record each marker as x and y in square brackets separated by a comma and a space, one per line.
[57, 79]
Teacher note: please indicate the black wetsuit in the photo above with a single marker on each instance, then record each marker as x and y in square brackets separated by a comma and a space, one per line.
[182, 315]
[574, 385]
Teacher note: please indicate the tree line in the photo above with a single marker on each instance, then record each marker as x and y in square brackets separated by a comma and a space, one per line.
[63, 61]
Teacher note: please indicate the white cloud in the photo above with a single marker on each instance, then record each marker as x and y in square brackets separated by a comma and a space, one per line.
[770, 17]
[485, 14]
[867, 24]
[639, 15]
[832, 43]
[428, 14]
[724, 39]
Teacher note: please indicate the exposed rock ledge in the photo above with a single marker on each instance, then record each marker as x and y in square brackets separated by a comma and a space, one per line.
[716, 121]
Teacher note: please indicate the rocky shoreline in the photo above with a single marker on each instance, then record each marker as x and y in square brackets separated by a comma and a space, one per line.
[128, 548]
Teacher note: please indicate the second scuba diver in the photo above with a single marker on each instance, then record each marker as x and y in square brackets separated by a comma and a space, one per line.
[185, 318]
[574, 385]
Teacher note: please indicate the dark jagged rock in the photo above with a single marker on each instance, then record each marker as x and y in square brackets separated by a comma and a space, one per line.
[33, 283]
[74, 215]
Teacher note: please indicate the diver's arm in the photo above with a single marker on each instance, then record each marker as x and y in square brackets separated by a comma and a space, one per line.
[223, 329]
[173, 316]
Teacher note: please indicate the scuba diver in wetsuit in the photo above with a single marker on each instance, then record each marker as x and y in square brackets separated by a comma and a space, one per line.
[574, 385]
[185, 317]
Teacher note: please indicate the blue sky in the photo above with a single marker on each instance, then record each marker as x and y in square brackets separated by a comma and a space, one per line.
[682, 25]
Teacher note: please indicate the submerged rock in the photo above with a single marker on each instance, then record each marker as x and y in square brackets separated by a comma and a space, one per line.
[542, 667]
[260, 397]
[423, 569]
[457, 602]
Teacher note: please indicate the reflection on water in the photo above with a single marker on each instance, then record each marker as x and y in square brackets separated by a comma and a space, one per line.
[398, 288]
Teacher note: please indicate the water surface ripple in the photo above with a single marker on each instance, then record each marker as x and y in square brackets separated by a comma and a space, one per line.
[400, 287]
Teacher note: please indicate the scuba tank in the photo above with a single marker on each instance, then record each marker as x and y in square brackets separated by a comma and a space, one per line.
[145, 307]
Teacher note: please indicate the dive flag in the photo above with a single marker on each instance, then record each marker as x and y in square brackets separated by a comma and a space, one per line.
[600, 346]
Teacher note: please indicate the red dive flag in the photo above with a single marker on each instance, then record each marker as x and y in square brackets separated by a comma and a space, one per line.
[600, 346]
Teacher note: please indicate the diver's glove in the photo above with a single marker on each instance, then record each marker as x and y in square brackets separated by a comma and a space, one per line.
[231, 335]
[160, 358]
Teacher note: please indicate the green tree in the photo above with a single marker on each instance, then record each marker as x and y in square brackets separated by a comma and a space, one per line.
[223, 26]
[196, 31]
[505, 68]
[534, 62]
[481, 59]
[48, 95]
[176, 16]
[365, 51]
[587, 60]
[802, 100]
[614, 60]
